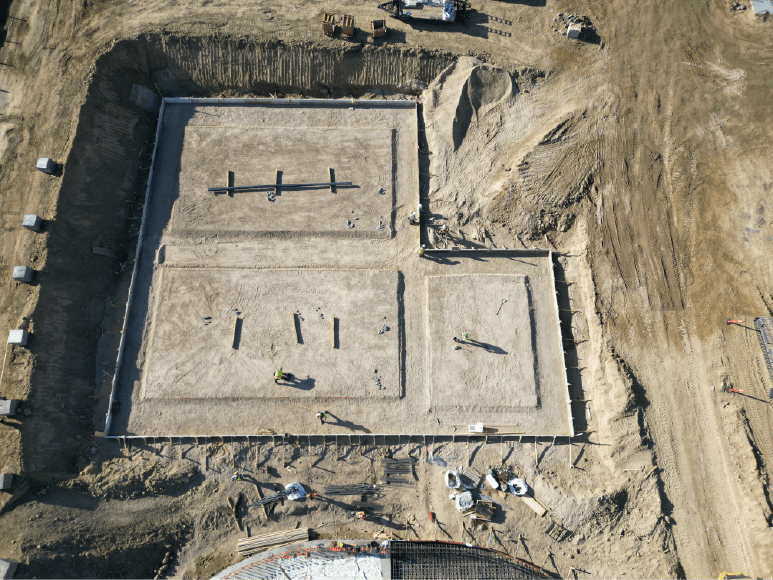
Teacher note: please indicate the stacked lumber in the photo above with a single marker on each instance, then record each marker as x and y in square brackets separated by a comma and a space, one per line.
[249, 546]
[357, 489]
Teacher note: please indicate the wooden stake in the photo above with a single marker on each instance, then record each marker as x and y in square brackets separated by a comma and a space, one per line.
[234, 342]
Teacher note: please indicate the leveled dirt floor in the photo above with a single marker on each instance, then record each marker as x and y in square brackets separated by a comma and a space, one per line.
[328, 286]
[643, 155]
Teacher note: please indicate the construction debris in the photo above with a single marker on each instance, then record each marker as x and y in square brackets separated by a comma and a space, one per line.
[464, 501]
[292, 491]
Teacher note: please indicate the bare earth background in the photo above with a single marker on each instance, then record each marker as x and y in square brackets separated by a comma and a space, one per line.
[645, 158]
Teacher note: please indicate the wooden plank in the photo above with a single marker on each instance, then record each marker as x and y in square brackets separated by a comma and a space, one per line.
[332, 179]
[334, 333]
[278, 181]
[538, 508]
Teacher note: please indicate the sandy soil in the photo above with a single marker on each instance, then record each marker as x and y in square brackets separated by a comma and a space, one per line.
[645, 158]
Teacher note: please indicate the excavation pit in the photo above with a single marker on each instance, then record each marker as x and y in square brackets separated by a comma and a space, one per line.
[230, 287]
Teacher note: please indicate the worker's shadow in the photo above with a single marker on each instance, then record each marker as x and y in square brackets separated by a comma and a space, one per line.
[297, 383]
[486, 346]
[333, 420]
[441, 259]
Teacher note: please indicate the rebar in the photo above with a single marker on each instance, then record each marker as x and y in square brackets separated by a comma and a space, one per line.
[358, 489]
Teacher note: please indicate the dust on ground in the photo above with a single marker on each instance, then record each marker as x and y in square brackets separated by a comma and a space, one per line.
[643, 156]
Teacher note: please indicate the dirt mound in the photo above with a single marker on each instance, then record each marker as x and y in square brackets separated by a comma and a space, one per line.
[122, 478]
[462, 94]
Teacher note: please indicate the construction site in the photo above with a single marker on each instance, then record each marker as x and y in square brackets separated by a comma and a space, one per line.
[401, 290]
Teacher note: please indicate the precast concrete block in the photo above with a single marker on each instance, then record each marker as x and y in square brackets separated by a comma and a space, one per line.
[32, 222]
[5, 480]
[8, 407]
[573, 31]
[46, 165]
[7, 569]
[22, 273]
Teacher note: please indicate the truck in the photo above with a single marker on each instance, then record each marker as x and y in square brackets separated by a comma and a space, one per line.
[435, 11]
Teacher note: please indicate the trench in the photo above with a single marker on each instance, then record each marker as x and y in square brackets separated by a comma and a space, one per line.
[101, 195]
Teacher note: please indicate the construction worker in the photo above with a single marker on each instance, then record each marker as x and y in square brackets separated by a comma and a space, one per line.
[236, 476]
[443, 230]
[422, 250]
[280, 374]
[465, 336]
[322, 415]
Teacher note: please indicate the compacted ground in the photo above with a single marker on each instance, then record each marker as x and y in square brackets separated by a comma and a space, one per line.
[640, 155]
[325, 284]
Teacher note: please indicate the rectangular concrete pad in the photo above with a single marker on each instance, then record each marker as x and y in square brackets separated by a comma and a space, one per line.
[192, 358]
[498, 363]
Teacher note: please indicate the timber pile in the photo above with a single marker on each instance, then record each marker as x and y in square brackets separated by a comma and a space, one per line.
[249, 546]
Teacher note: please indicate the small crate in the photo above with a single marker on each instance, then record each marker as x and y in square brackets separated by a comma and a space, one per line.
[328, 24]
[378, 28]
[5, 480]
[347, 26]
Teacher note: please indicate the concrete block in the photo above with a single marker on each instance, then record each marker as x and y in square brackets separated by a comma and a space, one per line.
[5, 480]
[46, 165]
[7, 569]
[22, 273]
[18, 337]
[8, 407]
[32, 222]
[574, 31]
